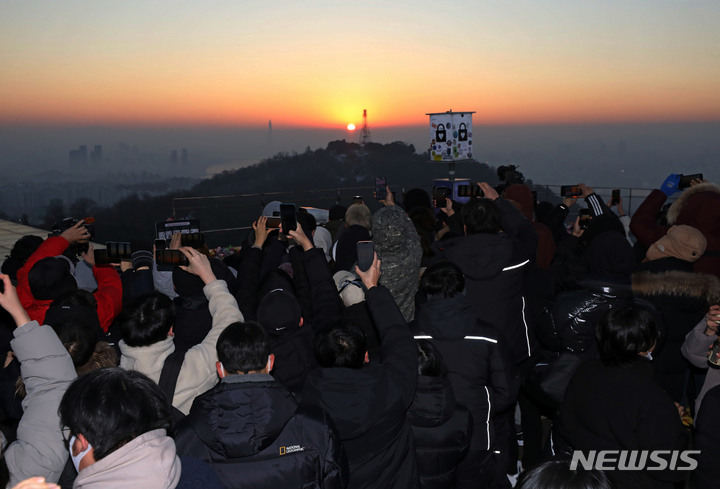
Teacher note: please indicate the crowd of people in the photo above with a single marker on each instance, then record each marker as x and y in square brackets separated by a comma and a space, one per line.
[480, 343]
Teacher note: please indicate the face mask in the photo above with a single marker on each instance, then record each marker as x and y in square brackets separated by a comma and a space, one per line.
[649, 356]
[77, 458]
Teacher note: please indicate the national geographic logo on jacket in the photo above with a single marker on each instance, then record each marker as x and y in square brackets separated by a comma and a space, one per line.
[291, 449]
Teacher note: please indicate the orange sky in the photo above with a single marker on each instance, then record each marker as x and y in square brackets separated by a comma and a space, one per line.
[182, 63]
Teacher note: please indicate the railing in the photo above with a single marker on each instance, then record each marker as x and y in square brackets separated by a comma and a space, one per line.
[251, 205]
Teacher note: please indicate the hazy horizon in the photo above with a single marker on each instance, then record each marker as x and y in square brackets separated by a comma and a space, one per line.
[546, 153]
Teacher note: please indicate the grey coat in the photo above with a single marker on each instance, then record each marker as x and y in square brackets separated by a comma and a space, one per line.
[47, 371]
[695, 349]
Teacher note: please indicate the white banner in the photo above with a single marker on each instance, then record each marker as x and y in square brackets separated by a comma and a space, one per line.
[451, 136]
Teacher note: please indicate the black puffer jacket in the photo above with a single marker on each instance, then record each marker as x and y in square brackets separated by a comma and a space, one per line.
[369, 405]
[441, 431]
[569, 325]
[568, 328]
[480, 367]
[252, 432]
[494, 266]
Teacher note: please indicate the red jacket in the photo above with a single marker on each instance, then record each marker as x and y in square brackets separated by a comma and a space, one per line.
[108, 294]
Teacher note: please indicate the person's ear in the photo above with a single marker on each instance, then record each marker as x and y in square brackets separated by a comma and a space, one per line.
[302, 321]
[79, 445]
[220, 369]
[271, 362]
[367, 357]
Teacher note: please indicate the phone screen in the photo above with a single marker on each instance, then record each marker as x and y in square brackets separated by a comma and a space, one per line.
[439, 195]
[380, 188]
[193, 240]
[118, 250]
[170, 257]
[570, 191]
[365, 255]
[288, 218]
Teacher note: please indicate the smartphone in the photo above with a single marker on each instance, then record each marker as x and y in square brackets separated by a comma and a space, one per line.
[193, 240]
[160, 244]
[118, 250]
[170, 257]
[686, 180]
[288, 218]
[101, 257]
[272, 223]
[615, 197]
[439, 196]
[380, 190]
[466, 190]
[585, 217]
[365, 255]
[573, 191]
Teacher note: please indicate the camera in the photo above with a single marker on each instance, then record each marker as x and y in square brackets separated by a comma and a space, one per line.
[510, 175]
[67, 223]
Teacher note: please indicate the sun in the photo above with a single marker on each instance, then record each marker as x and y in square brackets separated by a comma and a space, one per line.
[351, 127]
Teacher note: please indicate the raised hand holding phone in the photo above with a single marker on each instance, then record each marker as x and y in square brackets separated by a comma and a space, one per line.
[371, 277]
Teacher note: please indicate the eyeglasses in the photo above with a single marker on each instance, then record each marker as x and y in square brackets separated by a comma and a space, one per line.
[66, 433]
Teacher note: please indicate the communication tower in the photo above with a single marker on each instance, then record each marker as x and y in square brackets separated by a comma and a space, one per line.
[365, 131]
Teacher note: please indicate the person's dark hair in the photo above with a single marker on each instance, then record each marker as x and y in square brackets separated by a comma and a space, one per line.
[424, 221]
[556, 474]
[243, 347]
[341, 346]
[307, 221]
[442, 278]
[73, 317]
[482, 216]
[112, 406]
[147, 320]
[415, 198]
[21, 251]
[625, 331]
[430, 361]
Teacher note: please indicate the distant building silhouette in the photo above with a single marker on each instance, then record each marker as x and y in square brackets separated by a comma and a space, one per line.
[78, 158]
[96, 155]
[184, 156]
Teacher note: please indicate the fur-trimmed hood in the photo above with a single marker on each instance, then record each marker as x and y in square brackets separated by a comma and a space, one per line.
[677, 283]
[677, 207]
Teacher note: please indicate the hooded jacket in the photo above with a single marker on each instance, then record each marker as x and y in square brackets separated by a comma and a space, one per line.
[441, 432]
[148, 461]
[292, 344]
[198, 371]
[108, 295]
[369, 405]
[398, 248]
[252, 432]
[480, 367]
[697, 206]
[494, 266]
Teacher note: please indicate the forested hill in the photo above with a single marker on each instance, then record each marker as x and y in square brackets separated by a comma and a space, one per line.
[341, 165]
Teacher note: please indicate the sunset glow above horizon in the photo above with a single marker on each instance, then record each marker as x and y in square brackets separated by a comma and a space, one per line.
[320, 63]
